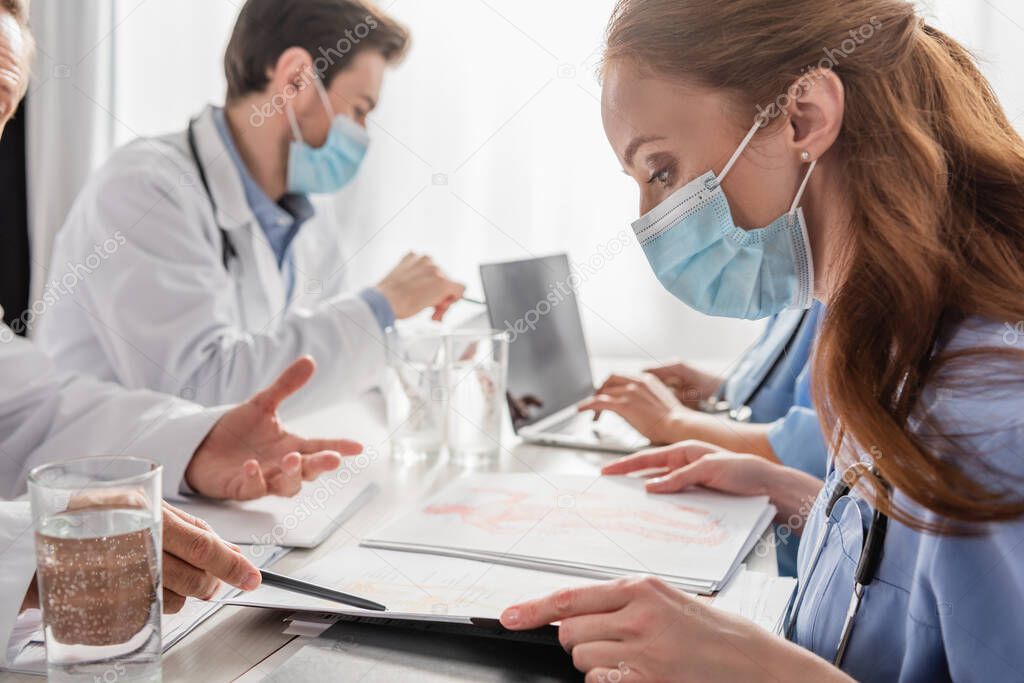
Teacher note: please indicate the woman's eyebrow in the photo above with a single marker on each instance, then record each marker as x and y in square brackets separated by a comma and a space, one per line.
[636, 144]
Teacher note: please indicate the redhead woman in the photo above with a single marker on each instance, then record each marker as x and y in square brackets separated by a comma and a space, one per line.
[845, 151]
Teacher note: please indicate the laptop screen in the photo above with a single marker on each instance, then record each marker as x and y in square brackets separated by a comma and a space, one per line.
[549, 367]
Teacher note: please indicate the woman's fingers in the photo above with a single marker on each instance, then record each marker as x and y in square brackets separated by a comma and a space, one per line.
[695, 474]
[602, 402]
[588, 628]
[606, 597]
[674, 456]
[601, 654]
[638, 461]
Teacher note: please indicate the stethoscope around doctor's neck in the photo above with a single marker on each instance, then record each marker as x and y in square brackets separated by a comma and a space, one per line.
[228, 251]
[867, 564]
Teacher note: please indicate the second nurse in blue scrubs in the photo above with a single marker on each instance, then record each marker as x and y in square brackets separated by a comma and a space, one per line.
[849, 152]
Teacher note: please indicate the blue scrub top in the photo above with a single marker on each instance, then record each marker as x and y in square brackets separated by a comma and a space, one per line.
[942, 608]
[784, 399]
[774, 380]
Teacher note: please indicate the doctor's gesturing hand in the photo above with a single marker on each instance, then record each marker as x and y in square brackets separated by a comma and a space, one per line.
[248, 454]
[418, 283]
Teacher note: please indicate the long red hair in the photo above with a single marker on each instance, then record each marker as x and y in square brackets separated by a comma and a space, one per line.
[933, 171]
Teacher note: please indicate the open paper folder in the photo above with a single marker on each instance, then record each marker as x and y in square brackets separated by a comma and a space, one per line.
[596, 527]
[446, 590]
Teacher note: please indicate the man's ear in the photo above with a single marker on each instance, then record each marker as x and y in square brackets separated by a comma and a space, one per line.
[292, 75]
[816, 115]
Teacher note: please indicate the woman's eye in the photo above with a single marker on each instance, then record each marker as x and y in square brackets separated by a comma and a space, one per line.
[663, 177]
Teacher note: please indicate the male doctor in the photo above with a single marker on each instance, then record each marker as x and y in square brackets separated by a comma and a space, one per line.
[219, 270]
[46, 416]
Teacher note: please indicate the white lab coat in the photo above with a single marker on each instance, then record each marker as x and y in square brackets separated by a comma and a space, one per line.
[46, 417]
[161, 311]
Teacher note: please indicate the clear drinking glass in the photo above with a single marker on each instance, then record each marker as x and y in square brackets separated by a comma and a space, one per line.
[98, 561]
[477, 369]
[414, 392]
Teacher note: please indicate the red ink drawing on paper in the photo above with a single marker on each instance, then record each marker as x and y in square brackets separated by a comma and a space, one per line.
[501, 511]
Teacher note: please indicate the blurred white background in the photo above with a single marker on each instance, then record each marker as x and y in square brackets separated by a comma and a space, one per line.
[487, 145]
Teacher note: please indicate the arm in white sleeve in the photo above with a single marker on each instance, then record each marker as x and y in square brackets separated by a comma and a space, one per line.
[17, 566]
[46, 416]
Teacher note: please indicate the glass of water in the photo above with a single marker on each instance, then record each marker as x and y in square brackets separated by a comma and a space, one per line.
[414, 392]
[98, 562]
[477, 370]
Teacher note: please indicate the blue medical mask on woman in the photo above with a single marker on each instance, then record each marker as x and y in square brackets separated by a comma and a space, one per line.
[717, 268]
[326, 169]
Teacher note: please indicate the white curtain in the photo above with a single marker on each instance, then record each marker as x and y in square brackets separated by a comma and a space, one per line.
[993, 30]
[70, 114]
[487, 146]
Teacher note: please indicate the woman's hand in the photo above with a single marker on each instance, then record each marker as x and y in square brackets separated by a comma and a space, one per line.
[690, 385]
[248, 454]
[644, 402]
[642, 629]
[696, 463]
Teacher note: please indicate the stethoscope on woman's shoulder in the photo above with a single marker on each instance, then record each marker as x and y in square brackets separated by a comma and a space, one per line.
[867, 564]
[228, 251]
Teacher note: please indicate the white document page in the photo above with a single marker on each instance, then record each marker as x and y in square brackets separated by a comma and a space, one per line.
[602, 524]
[304, 521]
[761, 598]
[413, 586]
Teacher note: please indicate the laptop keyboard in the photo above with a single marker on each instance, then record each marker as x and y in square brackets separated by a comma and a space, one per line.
[609, 428]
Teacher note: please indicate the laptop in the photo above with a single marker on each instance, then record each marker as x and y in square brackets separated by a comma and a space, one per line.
[549, 372]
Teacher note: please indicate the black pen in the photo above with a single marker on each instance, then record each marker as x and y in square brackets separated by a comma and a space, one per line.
[295, 586]
[471, 300]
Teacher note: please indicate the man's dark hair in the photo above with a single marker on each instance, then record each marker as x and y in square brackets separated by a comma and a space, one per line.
[332, 31]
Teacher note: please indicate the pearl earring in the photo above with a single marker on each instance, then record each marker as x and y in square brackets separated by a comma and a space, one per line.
[805, 156]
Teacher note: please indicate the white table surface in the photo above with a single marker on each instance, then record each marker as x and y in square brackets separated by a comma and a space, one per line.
[236, 640]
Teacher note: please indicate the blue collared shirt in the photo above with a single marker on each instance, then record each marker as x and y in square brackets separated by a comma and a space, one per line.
[281, 221]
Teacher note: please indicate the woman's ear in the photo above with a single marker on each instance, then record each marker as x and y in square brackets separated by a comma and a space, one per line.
[816, 115]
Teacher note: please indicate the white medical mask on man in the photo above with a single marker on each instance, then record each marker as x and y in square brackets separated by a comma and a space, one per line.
[703, 259]
[326, 169]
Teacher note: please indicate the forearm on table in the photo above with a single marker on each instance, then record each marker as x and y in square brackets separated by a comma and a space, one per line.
[729, 435]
